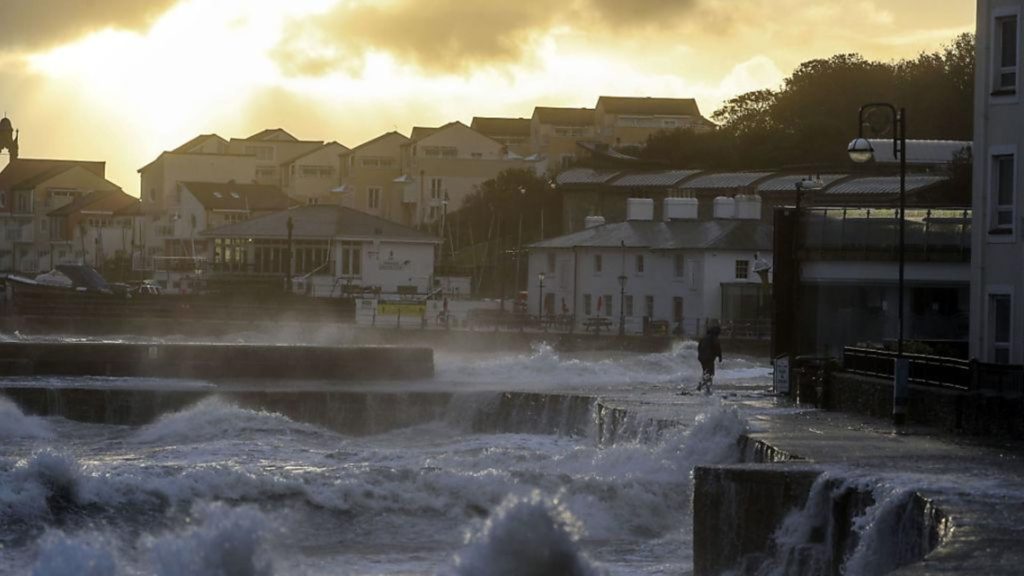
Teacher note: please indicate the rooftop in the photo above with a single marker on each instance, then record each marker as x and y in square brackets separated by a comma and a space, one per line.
[565, 116]
[518, 127]
[647, 106]
[320, 221]
[238, 196]
[675, 235]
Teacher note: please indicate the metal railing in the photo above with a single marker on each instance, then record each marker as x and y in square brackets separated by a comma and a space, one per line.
[932, 371]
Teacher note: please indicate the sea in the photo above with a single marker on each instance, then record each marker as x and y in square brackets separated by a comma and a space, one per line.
[479, 488]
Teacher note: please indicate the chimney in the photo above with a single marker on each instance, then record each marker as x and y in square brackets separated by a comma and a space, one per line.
[640, 209]
[680, 209]
[724, 208]
[593, 221]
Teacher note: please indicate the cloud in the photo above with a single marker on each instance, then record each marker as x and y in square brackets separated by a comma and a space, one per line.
[33, 24]
[640, 12]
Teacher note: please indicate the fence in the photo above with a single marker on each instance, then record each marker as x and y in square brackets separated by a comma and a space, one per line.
[937, 372]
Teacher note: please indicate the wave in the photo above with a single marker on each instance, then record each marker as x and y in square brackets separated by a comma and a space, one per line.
[15, 424]
[215, 419]
[526, 535]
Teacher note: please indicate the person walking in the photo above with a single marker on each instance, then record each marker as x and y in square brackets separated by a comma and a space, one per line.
[708, 349]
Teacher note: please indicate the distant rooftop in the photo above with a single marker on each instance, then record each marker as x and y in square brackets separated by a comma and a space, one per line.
[750, 235]
[647, 106]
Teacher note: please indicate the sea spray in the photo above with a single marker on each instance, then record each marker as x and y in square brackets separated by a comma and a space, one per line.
[526, 536]
[79, 555]
[223, 541]
[15, 424]
[214, 418]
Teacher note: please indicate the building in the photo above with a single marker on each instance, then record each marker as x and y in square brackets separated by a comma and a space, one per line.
[371, 179]
[680, 272]
[336, 251]
[629, 121]
[997, 282]
[98, 229]
[555, 131]
[442, 166]
[29, 190]
[272, 148]
[314, 175]
[513, 133]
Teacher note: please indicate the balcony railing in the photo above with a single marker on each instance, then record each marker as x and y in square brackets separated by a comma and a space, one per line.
[936, 372]
[873, 234]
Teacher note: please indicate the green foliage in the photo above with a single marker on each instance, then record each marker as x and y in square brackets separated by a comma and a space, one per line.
[811, 118]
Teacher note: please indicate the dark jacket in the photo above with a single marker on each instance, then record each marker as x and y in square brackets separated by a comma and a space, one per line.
[709, 348]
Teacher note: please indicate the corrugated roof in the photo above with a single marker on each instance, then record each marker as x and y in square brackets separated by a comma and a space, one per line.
[237, 196]
[27, 172]
[585, 176]
[787, 182]
[920, 151]
[320, 222]
[724, 180]
[114, 201]
[675, 235]
[517, 127]
[659, 179]
[647, 106]
[883, 184]
[565, 116]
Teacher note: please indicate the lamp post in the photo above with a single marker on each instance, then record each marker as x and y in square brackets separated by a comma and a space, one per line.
[622, 305]
[540, 297]
[861, 151]
[519, 239]
[803, 185]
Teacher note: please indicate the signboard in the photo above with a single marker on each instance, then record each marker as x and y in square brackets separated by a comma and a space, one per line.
[780, 378]
[401, 308]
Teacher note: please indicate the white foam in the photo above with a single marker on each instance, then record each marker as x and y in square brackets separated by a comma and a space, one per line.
[83, 555]
[224, 541]
[15, 424]
[213, 419]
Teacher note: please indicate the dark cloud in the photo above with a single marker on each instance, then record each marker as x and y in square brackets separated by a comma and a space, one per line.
[32, 24]
[453, 35]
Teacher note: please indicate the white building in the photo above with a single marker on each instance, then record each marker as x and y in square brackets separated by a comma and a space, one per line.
[336, 251]
[997, 258]
[681, 272]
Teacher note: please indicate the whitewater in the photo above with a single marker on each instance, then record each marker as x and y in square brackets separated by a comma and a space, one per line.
[219, 488]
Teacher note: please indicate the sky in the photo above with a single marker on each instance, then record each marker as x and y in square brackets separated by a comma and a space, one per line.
[123, 80]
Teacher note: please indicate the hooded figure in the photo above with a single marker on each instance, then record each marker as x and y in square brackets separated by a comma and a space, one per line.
[709, 349]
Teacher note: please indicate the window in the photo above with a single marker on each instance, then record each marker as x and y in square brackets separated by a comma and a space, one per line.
[351, 258]
[679, 265]
[639, 263]
[436, 188]
[373, 198]
[317, 171]
[261, 152]
[649, 306]
[608, 305]
[551, 262]
[628, 305]
[1005, 51]
[24, 202]
[598, 264]
[586, 305]
[377, 162]
[440, 151]
[1003, 185]
[742, 269]
[999, 310]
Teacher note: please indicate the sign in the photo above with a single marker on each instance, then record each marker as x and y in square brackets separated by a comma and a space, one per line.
[780, 376]
[403, 308]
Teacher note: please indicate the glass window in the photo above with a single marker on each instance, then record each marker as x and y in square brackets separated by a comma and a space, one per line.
[1003, 185]
[742, 269]
[1005, 72]
[639, 263]
[373, 198]
[628, 305]
[351, 258]
[551, 262]
[649, 306]
[608, 305]
[586, 304]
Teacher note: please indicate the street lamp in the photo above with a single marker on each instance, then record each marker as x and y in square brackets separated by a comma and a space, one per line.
[803, 185]
[622, 305]
[861, 151]
[540, 298]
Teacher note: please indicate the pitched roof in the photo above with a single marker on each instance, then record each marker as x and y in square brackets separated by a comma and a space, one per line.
[421, 132]
[585, 176]
[647, 106]
[565, 116]
[188, 146]
[269, 132]
[519, 127]
[313, 150]
[883, 184]
[112, 201]
[405, 139]
[675, 235]
[920, 151]
[787, 182]
[25, 173]
[320, 221]
[237, 196]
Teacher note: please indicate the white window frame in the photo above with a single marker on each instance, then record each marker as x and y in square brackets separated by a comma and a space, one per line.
[996, 233]
[995, 44]
[989, 321]
[373, 197]
[746, 269]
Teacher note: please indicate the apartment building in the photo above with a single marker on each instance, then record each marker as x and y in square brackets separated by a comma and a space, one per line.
[997, 274]
[313, 175]
[98, 229]
[555, 131]
[29, 190]
[272, 148]
[514, 133]
[629, 121]
[369, 184]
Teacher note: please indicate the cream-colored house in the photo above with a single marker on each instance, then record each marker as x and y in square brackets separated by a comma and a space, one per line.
[271, 148]
[629, 121]
[445, 165]
[555, 131]
[313, 175]
[98, 228]
[29, 190]
[369, 180]
[206, 158]
[514, 133]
